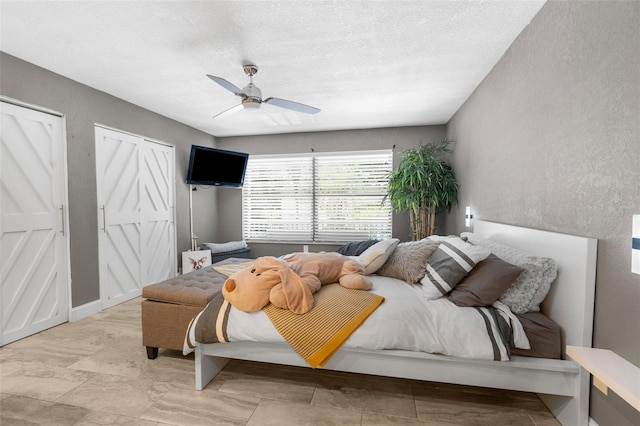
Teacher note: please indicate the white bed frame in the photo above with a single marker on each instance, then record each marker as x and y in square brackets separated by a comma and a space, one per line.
[561, 384]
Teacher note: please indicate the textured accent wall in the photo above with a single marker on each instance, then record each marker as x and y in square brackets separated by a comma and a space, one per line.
[83, 107]
[551, 140]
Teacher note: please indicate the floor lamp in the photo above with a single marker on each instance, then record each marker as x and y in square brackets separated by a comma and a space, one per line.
[194, 237]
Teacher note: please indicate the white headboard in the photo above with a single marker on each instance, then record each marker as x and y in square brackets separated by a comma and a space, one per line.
[570, 301]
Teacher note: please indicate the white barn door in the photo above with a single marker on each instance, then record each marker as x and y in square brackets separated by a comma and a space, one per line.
[136, 227]
[157, 212]
[34, 243]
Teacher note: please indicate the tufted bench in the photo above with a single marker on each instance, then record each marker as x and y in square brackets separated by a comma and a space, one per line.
[169, 306]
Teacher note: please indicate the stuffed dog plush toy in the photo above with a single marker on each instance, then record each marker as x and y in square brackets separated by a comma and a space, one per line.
[290, 283]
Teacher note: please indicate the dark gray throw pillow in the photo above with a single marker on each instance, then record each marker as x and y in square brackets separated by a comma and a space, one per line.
[485, 283]
[356, 248]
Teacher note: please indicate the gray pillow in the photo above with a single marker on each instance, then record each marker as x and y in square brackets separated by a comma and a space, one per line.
[485, 283]
[408, 262]
[532, 286]
[449, 264]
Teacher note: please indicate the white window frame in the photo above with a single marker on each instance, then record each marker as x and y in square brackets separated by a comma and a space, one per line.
[295, 182]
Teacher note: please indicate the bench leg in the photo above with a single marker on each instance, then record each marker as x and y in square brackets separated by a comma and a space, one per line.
[152, 353]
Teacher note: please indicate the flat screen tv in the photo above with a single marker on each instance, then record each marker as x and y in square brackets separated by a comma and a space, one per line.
[219, 167]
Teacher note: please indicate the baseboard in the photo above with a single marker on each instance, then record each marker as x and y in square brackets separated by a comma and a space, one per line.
[84, 311]
[592, 422]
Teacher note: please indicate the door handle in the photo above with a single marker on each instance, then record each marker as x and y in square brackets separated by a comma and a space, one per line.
[62, 214]
[104, 219]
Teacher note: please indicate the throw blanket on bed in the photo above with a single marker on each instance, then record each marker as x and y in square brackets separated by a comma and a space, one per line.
[315, 336]
[319, 333]
[231, 268]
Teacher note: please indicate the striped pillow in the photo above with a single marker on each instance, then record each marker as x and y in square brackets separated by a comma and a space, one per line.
[449, 264]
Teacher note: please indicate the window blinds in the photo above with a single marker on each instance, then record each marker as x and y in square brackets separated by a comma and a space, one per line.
[317, 197]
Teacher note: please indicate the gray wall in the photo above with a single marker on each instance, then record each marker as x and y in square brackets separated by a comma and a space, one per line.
[83, 107]
[230, 201]
[551, 140]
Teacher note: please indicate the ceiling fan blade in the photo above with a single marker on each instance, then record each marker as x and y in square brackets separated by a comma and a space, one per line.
[295, 106]
[226, 84]
[228, 111]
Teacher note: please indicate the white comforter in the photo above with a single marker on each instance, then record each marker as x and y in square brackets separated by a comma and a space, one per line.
[407, 320]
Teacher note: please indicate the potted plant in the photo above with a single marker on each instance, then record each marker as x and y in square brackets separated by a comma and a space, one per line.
[423, 184]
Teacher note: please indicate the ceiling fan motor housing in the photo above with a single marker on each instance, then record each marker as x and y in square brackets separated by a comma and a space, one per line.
[252, 96]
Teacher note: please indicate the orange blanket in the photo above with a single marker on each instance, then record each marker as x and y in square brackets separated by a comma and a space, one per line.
[319, 333]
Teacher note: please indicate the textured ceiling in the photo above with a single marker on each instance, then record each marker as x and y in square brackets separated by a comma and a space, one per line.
[365, 64]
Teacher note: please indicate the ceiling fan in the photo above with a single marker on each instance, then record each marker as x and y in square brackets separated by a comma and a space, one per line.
[252, 96]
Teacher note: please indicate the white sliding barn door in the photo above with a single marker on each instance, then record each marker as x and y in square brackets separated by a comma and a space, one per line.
[136, 192]
[34, 265]
[157, 208]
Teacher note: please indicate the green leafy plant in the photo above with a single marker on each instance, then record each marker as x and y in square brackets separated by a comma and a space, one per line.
[423, 184]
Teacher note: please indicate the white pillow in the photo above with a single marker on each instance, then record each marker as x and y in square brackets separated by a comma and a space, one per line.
[532, 286]
[449, 264]
[376, 255]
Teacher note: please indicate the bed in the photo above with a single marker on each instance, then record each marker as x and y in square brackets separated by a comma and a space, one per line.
[561, 384]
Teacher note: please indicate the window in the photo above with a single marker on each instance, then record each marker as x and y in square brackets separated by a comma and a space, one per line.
[321, 197]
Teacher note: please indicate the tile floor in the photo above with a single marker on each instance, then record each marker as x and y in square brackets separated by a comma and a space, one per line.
[96, 372]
